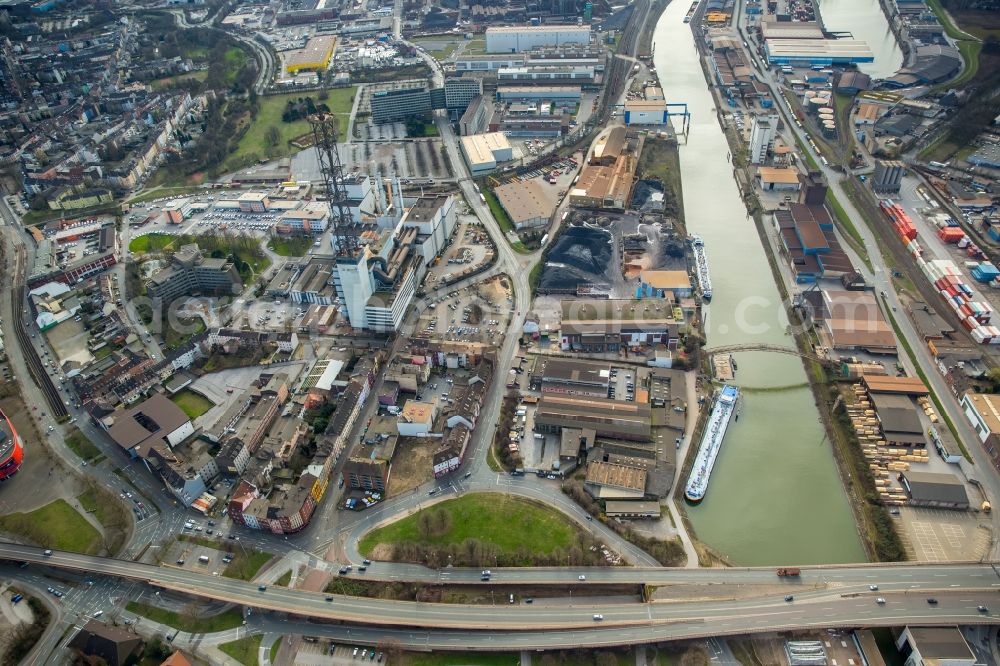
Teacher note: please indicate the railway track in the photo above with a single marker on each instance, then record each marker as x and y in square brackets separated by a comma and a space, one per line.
[31, 358]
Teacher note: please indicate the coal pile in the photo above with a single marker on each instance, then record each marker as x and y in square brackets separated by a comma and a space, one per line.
[643, 190]
[580, 255]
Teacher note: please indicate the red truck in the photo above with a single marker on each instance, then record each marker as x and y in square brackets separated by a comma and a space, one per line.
[789, 571]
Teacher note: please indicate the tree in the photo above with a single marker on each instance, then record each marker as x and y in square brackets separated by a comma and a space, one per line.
[993, 374]
[425, 524]
[442, 521]
[272, 136]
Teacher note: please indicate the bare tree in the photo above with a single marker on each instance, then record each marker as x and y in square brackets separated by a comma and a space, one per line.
[272, 136]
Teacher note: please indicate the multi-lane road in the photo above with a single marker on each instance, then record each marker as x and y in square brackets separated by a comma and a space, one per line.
[821, 597]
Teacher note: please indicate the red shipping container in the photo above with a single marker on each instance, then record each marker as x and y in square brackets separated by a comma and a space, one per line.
[965, 310]
[969, 323]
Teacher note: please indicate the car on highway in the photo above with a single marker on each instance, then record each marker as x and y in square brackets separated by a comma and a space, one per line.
[873, 588]
[581, 577]
[789, 598]
[932, 601]
[262, 588]
[366, 561]
[47, 553]
[598, 617]
[880, 600]
[983, 609]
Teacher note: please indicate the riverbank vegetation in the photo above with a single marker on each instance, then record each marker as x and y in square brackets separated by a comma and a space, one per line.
[669, 553]
[660, 161]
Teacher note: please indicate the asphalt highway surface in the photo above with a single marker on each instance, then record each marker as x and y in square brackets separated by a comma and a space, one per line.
[833, 596]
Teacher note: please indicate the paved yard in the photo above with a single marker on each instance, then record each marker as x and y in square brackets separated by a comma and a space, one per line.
[935, 535]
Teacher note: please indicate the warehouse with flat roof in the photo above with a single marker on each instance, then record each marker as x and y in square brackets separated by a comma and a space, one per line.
[516, 39]
[942, 491]
[483, 151]
[615, 419]
[817, 51]
[545, 93]
[526, 202]
[314, 56]
[791, 30]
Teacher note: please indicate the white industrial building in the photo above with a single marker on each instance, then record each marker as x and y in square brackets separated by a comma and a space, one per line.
[762, 133]
[377, 285]
[526, 38]
[508, 93]
[484, 151]
[645, 112]
[434, 219]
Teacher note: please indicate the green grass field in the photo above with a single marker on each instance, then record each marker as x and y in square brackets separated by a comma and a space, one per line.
[171, 81]
[193, 404]
[55, 525]
[245, 566]
[285, 579]
[506, 522]
[244, 650]
[166, 191]
[970, 54]
[475, 47]
[201, 625]
[292, 246]
[254, 145]
[150, 243]
[81, 446]
[275, 646]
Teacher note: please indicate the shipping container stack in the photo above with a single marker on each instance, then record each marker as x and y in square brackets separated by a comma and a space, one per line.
[975, 313]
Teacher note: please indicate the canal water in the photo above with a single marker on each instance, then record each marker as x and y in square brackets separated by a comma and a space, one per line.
[865, 21]
[775, 496]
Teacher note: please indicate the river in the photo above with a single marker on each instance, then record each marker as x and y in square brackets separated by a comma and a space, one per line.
[775, 496]
[865, 21]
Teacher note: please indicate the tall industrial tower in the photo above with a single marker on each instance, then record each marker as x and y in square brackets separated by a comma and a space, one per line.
[324, 129]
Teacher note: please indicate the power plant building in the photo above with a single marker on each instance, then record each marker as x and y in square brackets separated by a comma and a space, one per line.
[517, 39]
[887, 176]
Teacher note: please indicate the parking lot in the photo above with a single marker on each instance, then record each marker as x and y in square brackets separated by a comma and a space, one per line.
[477, 313]
[315, 651]
[938, 535]
[420, 159]
[470, 248]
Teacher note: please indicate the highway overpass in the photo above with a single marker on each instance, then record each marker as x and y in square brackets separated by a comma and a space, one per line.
[734, 601]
